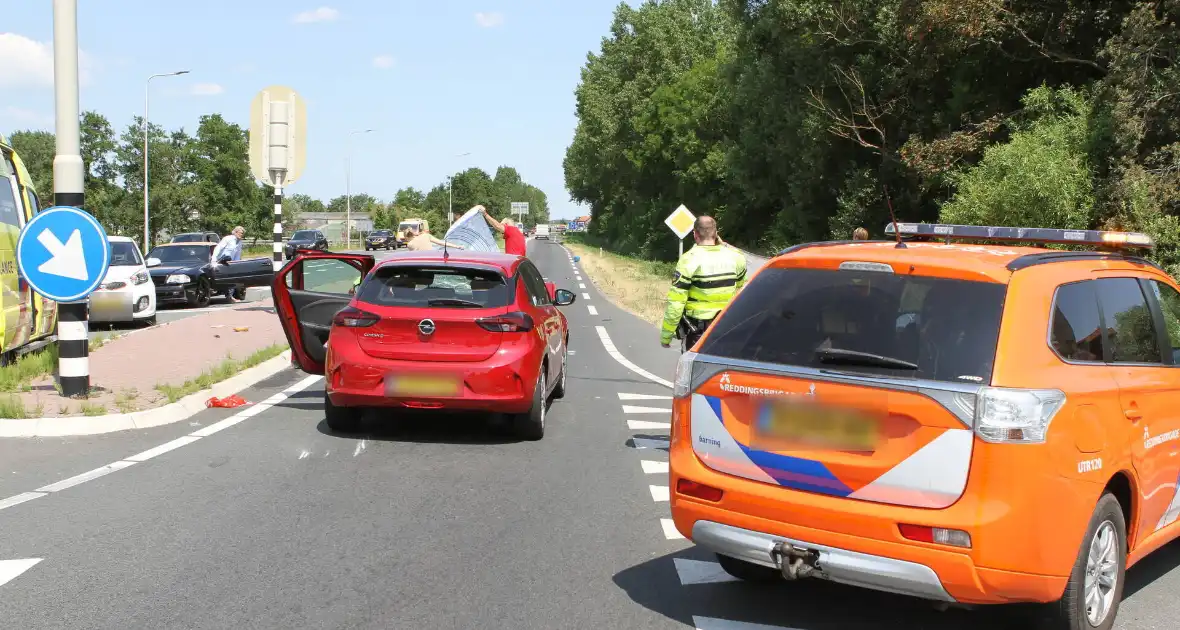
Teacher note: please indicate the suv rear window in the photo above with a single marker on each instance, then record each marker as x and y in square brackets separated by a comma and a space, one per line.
[863, 321]
[453, 287]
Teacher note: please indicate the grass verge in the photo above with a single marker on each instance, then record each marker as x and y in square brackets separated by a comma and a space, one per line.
[27, 368]
[222, 371]
[638, 286]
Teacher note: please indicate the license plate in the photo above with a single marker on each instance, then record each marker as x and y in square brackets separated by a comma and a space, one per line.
[401, 385]
[818, 427]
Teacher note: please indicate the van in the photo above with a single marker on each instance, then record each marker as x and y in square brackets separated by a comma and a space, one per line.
[542, 231]
[25, 316]
[414, 225]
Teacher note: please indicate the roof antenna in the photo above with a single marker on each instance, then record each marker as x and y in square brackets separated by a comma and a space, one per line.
[445, 248]
[892, 217]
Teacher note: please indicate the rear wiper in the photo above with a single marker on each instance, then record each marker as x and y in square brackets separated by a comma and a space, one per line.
[853, 357]
[453, 302]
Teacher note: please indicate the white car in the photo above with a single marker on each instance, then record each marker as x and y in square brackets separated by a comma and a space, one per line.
[127, 293]
[542, 231]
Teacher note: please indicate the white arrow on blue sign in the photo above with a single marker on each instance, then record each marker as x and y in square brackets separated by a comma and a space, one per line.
[63, 253]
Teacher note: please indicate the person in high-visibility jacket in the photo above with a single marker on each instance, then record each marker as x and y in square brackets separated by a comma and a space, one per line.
[706, 279]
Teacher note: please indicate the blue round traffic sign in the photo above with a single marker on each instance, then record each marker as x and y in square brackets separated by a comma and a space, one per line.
[63, 253]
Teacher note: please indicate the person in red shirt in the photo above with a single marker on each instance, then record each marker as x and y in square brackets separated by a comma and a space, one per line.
[514, 242]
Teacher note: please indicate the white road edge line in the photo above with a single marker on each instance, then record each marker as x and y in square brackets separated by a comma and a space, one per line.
[161, 449]
[618, 356]
[585, 296]
[590, 307]
[623, 396]
[637, 409]
[670, 531]
[11, 569]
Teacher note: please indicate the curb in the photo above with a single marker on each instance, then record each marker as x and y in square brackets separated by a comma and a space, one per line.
[182, 409]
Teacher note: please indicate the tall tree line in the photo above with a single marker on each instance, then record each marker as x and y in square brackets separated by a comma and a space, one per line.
[797, 120]
[202, 181]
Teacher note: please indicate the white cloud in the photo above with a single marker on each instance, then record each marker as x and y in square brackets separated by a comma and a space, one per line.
[383, 61]
[322, 14]
[489, 20]
[29, 63]
[206, 89]
[17, 117]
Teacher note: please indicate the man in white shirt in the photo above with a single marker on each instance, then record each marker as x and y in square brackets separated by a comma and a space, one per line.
[230, 246]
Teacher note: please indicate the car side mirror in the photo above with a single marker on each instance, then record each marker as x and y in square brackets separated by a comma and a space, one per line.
[152, 262]
[564, 297]
[224, 260]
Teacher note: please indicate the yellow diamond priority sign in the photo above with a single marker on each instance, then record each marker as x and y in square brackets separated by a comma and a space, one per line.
[680, 221]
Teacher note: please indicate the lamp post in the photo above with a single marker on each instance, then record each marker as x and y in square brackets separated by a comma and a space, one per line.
[147, 97]
[450, 199]
[348, 188]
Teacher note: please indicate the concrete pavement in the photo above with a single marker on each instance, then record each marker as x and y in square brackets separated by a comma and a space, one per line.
[265, 519]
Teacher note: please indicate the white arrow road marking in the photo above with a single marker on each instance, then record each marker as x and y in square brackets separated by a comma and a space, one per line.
[693, 572]
[634, 409]
[67, 261]
[623, 396]
[9, 569]
[640, 425]
[711, 623]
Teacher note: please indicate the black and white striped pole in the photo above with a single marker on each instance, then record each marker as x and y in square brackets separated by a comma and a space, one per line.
[68, 178]
[278, 140]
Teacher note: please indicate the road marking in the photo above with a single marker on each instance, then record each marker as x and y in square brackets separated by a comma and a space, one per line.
[161, 449]
[585, 296]
[659, 494]
[590, 307]
[635, 409]
[641, 425]
[623, 396]
[692, 572]
[577, 277]
[582, 286]
[670, 531]
[712, 623]
[645, 443]
[651, 467]
[84, 477]
[10, 569]
[618, 356]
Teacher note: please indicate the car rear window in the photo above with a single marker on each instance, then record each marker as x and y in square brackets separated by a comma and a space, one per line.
[446, 287]
[863, 321]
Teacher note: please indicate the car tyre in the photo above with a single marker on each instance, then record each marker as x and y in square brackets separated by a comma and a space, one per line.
[748, 571]
[1099, 573]
[341, 419]
[201, 297]
[559, 389]
[531, 424]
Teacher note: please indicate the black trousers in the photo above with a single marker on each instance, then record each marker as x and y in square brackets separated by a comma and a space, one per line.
[692, 329]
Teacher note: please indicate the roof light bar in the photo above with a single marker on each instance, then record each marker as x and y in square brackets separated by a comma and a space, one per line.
[1019, 235]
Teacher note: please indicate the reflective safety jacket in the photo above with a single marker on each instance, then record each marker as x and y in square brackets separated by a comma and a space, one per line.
[706, 279]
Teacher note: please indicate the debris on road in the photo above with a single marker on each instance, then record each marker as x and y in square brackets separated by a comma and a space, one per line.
[228, 402]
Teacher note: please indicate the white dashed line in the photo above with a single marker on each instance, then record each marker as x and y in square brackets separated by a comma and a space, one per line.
[643, 425]
[582, 286]
[634, 409]
[659, 494]
[670, 531]
[618, 356]
[159, 450]
[585, 296]
[623, 396]
[590, 307]
[653, 467]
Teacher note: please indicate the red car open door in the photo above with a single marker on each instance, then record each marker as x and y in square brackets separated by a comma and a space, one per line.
[308, 292]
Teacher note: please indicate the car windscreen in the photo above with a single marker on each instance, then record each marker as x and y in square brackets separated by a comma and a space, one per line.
[864, 321]
[379, 233]
[303, 235]
[182, 254]
[443, 287]
[124, 254]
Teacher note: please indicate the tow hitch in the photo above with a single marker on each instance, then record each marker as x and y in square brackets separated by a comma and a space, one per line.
[794, 562]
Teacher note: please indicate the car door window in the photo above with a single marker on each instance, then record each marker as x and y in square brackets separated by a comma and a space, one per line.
[1075, 331]
[1128, 321]
[1169, 301]
[535, 284]
[329, 276]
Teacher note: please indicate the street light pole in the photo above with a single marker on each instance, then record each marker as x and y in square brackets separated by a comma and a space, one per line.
[348, 187]
[147, 96]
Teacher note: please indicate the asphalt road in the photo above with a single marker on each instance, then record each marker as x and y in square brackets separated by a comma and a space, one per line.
[263, 519]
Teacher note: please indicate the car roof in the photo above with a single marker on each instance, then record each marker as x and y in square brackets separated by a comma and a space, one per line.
[504, 262]
[187, 244]
[119, 239]
[985, 262]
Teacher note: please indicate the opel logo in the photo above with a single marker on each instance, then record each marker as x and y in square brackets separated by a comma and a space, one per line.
[426, 327]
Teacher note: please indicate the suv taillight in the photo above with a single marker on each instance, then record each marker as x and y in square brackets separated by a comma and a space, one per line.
[1016, 416]
[354, 318]
[682, 383]
[509, 322]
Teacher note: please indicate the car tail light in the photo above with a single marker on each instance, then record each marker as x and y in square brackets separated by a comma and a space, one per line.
[682, 382]
[698, 490]
[509, 322]
[1021, 416]
[936, 535]
[354, 318]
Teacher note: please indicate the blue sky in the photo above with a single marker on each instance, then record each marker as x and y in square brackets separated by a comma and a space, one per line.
[495, 78]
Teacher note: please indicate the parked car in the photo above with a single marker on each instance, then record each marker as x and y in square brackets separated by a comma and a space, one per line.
[184, 273]
[306, 239]
[196, 237]
[127, 293]
[471, 331]
[380, 239]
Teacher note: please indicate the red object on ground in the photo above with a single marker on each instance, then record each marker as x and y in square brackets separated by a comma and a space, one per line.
[228, 401]
[514, 243]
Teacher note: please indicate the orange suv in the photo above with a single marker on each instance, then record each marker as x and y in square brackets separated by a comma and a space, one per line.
[966, 423]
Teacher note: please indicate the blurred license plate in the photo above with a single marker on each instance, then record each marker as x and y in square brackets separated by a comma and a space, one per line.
[808, 426]
[401, 385]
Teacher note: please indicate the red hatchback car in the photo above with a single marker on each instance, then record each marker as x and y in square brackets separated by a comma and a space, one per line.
[468, 331]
